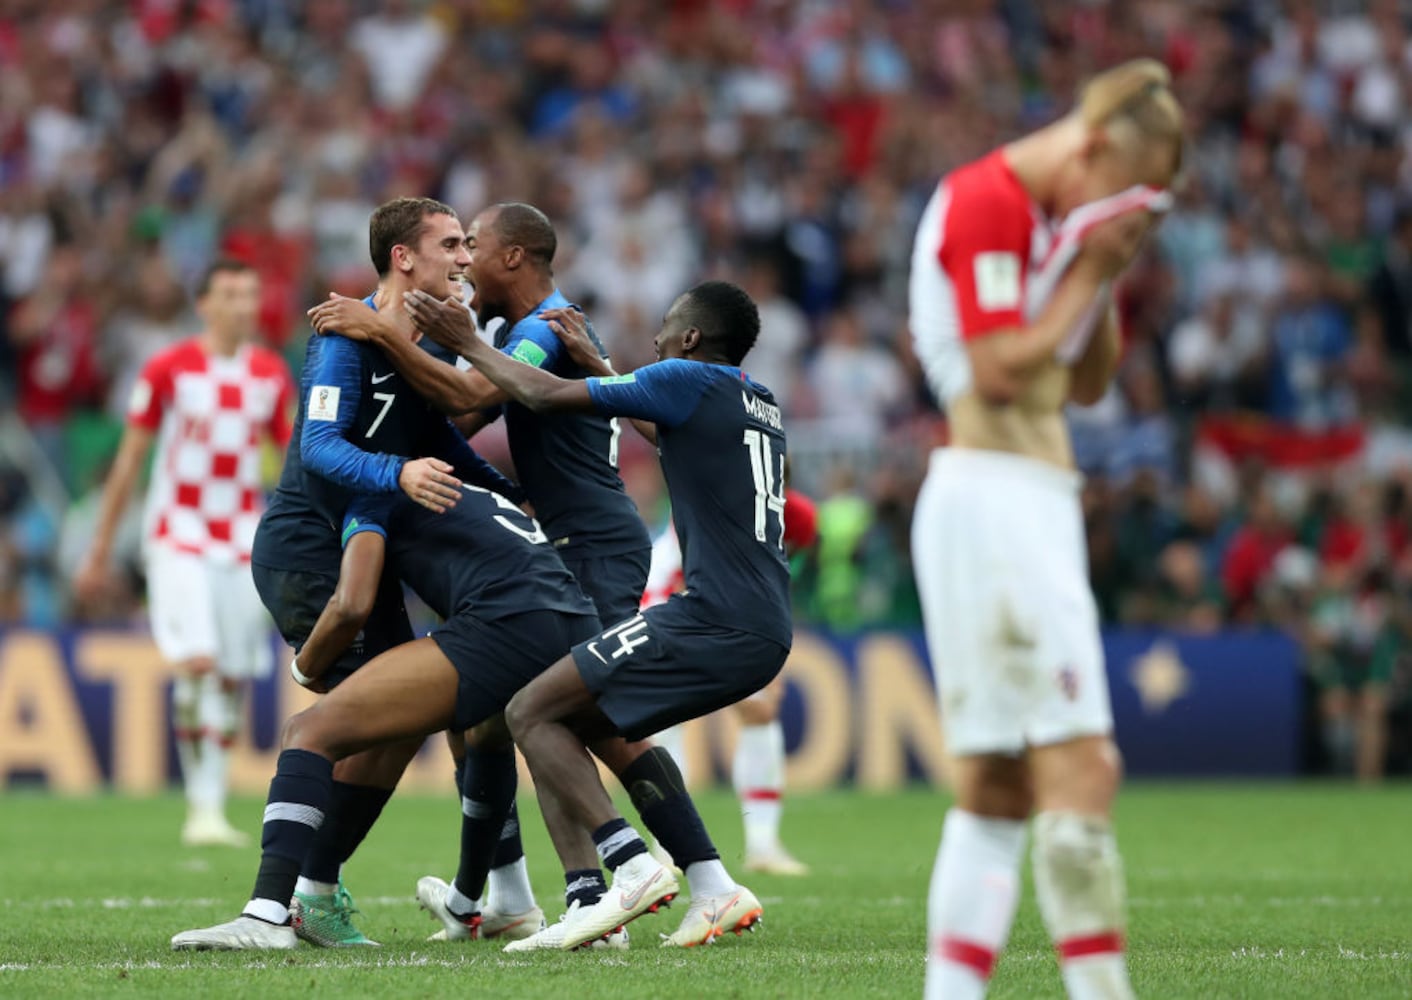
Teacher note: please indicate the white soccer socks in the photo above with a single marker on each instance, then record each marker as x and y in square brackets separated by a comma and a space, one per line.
[974, 892]
[1079, 882]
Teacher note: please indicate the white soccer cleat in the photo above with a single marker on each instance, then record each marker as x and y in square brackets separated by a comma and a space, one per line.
[641, 885]
[210, 829]
[511, 926]
[431, 896]
[241, 934]
[707, 918]
[551, 938]
[739, 912]
[660, 853]
[775, 862]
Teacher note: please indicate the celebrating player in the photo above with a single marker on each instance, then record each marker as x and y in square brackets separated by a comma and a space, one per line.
[1011, 308]
[568, 465]
[757, 767]
[355, 429]
[509, 607]
[722, 448]
[207, 401]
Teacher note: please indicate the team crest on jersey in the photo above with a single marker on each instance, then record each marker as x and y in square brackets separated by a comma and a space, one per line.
[323, 402]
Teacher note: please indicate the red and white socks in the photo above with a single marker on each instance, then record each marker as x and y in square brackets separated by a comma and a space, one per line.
[1079, 883]
[975, 890]
[757, 772]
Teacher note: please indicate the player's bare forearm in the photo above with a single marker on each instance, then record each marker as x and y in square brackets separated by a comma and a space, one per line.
[1090, 376]
[1004, 363]
[132, 452]
[647, 429]
[348, 609]
[533, 387]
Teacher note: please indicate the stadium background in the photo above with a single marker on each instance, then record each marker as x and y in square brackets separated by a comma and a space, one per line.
[1249, 472]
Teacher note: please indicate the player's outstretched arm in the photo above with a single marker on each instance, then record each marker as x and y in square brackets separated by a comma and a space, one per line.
[571, 327]
[448, 388]
[534, 387]
[132, 452]
[347, 610]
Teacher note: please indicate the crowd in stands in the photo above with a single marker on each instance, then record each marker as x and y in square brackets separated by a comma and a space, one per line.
[1252, 465]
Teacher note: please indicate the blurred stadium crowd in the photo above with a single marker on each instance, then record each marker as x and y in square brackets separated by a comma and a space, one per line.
[1253, 464]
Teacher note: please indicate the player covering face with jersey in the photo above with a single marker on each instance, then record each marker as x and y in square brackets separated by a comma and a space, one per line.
[1012, 312]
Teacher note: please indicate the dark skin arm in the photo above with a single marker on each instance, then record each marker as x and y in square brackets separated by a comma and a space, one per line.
[448, 388]
[450, 325]
[347, 610]
[571, 327]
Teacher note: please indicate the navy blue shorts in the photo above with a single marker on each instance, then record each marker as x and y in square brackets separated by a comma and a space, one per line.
[666, 666]
[296, 598]
[613, 583]
[497, 658]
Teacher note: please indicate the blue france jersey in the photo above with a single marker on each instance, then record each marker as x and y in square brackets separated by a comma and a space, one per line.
[722, 446]
[504, 564]
[568, 462]
[358, 421]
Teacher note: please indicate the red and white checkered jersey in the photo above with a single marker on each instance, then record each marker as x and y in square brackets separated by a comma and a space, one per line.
[980, 241]
[210, 413]
[664, 574]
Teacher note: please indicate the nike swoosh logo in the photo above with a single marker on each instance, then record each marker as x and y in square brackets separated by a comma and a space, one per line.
[721, 911]
[593, 648]
[382, 378]
[632, 899]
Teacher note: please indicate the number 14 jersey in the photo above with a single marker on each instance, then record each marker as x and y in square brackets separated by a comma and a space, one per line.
[722, 445]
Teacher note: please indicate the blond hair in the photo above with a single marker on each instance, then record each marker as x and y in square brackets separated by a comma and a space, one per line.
[1135, 96]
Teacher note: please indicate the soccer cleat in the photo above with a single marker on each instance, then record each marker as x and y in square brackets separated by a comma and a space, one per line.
[241, 934]
[775, 862]
[327, 921]
[431, 895]
[660, 853]
[640, 885]
[709, 917]
[511, 926]
[210, 829]
[739, 912]
[551, 938]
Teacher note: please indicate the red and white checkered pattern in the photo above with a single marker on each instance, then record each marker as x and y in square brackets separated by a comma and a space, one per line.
[210, 412]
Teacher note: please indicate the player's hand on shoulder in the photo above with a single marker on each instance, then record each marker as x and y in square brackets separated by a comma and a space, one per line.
[429, 482]
[446, 321]
[571, 327]
[1112, 245]
[353, 318]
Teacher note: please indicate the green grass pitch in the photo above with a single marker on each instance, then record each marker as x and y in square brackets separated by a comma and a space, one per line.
[1236, 891]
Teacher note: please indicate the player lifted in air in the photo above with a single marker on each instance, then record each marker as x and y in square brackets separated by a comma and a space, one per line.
[726, 636]
[1012, 311]
[207, 402]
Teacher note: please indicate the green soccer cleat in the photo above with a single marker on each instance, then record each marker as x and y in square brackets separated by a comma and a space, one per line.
[327, 921]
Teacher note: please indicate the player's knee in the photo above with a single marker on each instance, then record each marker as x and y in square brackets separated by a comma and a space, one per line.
[491, 735]
[758, 710]
[521, 715]
[303, 730]
[1078, 873]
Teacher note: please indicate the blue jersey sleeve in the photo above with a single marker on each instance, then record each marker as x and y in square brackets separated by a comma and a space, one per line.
[367, 513]
[532, 342]
[451, 447]
[665, 393]
[331, 406]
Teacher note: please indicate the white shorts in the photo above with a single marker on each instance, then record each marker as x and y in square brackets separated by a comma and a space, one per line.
[1012, 628]
[199, 608]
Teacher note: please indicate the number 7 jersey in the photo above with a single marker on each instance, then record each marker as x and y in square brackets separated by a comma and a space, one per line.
[722, 445]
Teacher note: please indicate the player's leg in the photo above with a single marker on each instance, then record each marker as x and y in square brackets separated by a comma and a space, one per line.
[407, 692]
[757, 772]
[1074, 764]
[719, 904]
[1372, 731]
[547, 719]
[185, 630]
[1078, 871]
[975, 885]
[362, 783]
[487, 796]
